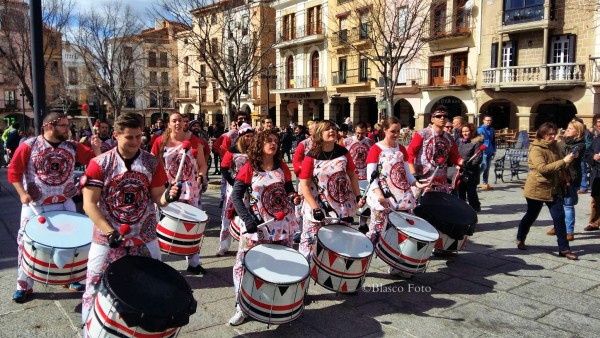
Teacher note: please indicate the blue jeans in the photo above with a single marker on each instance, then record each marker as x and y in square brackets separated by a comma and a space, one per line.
[584, 177]
[569, 202]
[485, 167]
[558, 216]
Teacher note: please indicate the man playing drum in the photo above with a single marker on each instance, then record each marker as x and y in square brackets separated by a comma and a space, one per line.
[41, 171]
[431, 150]
[120, 188]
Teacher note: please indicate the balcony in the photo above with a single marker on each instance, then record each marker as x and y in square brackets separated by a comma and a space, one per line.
[526, 19]
[302, 35]
[557, 76]
[356, 36]
[351, 77]
[449, 77]
[300, 83]
[8, 105]
[455, 27]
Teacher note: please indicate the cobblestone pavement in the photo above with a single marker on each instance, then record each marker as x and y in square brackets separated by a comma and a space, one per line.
[490, 289]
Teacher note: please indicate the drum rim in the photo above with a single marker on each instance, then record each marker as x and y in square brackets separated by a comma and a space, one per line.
[109, 288]
[339, 254]
[58, 212]
[422, 219]
[271, 282]
[166, 214]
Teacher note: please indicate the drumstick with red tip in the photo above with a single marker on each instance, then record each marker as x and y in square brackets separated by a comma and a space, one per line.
[41, 218]
[440, 162]
[479, 151]
[185, 146]
[278, 217]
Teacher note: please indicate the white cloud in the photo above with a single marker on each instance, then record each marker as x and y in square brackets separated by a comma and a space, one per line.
[141, 7]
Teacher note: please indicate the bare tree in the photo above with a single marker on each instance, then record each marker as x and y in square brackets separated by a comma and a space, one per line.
[231, 38]
[15, 38]
[106, 38]
[392, 33]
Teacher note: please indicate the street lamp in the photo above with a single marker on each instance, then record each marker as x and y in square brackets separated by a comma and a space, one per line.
[201, 85]
[269, 77]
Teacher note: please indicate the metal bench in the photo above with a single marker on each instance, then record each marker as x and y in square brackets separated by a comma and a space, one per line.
[513, 161]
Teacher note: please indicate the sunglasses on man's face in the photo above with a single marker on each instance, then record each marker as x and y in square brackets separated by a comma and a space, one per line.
[440, 116]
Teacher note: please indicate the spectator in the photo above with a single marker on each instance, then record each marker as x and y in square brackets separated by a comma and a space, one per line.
[286, 143]
[489, 140]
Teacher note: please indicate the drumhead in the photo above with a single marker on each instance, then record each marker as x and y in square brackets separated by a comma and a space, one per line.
[345, 241]
[276, 264]
[420, 229]
[184, 211]
[62, 230]
[149, 286]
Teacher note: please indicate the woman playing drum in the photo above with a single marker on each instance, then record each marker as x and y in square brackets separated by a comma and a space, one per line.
[328, 182]
[233, 160]
[267, 182]
[391, 190]
[168, 148]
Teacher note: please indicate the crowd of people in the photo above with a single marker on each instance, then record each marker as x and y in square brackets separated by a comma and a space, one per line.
[131, 170]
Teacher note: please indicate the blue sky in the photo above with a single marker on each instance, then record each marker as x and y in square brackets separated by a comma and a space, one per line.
[142, 7]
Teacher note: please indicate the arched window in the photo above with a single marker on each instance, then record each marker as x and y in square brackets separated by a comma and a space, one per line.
[290, 72]
[314, 69]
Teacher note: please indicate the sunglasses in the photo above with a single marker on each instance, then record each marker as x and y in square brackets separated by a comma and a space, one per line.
[440, 116]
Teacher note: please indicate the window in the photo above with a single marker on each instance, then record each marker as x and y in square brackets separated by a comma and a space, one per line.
[153, 79]
[509, 53]
[363, 70]
[9, 99]
[203, 70]
[215, 92]
[436, 71]
[129, 99]
[73, 80]
[314, 69]
[214, 46]
[244, 25]
[244, 55]
[187, 89]
[289, 26]
[151, 59]
[289, 76]
[186, 65]
[343, 33]
[364, 26]
[164, 60]
[459, 69]
[319, 19]
[562, 49]
[166, 99]
[153, 99]
[461, 20]
[128, 54]
[213, 18]
[231, 56]
[439, 19]
[130, 78]
[310, 21]
[54, 68]
[343, 68]
[402, 21]
[164, 78]
[520, 11]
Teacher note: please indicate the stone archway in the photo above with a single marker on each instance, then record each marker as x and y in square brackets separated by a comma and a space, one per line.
[503, 113]
[404, 111]
[455, 106]
[555, 110]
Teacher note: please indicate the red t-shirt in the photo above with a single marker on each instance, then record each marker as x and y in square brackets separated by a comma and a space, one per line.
[308, 164]
[373, 156]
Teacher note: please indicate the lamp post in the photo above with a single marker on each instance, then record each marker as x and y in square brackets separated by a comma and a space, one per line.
[201, 85]
[23, 106]
[269, 77]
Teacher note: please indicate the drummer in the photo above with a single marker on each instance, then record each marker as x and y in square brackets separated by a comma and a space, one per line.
[120, 187]
[328, 182]
[391, 190]
[358, 145]
[108, 142]
[233, 160]
[430, 149]
[167, 148]
[268, 181]
[41, 171]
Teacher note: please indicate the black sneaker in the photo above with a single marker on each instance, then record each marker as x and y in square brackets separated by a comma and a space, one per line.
[196, 270]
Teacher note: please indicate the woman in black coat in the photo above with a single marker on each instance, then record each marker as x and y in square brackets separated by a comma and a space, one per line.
[286, 143]
[592, 157]
[469, 177]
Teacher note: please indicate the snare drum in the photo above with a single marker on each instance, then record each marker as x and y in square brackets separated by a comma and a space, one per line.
[181, 229]
[273, 284]
[140, 297]
[56, 252]
[234, 228]
[407, 242]
[340, 258]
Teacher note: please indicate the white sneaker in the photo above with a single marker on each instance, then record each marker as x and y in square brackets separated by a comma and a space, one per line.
[221, 252]
[400, 273]
[238, 318]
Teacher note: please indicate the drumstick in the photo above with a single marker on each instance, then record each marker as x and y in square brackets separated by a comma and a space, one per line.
[185, 145]
[481, 148]
[440, 163]
[279, 216]
[408, 220]
[373, 177]
[41, 218]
